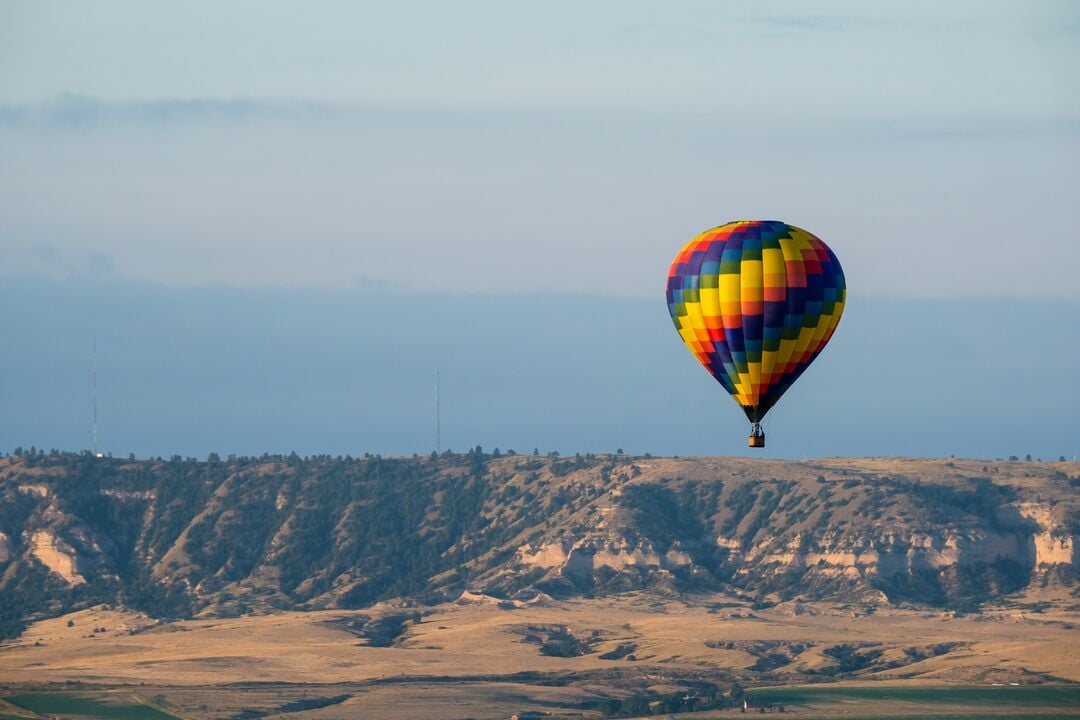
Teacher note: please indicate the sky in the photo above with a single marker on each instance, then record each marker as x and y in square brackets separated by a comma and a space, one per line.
[192, 370]
[532, 158]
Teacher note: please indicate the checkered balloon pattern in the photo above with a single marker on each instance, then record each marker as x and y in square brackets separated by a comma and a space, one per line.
[756, 301]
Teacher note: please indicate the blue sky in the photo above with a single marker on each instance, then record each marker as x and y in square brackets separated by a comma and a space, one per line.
[524, 155]
[192, 370]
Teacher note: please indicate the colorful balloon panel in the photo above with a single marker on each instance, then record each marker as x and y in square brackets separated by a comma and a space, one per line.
[756, 301]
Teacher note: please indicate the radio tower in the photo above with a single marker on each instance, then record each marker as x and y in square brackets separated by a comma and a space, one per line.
[438, 424]
[93, 383]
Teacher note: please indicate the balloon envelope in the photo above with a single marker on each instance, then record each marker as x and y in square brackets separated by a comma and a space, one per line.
[756, 301]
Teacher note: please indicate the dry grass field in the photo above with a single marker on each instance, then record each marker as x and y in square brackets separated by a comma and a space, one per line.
[482, 660]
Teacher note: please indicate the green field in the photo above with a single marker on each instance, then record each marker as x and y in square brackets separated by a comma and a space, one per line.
[950, 716]
[1029, 701]
[67, 705]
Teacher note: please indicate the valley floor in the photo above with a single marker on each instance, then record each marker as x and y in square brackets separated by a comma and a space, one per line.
[480, 658]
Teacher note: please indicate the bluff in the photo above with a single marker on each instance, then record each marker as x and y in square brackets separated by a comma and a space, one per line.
[181, 537]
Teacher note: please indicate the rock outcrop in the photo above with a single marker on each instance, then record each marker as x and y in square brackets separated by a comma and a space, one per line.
[56, 556]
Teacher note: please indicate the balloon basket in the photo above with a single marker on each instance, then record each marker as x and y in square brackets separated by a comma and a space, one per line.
[757, 441]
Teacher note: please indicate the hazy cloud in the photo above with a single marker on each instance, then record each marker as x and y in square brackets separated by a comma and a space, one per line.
[48, 260]
[516, 147]
[68, 111]
[254, 193]
[808, 22]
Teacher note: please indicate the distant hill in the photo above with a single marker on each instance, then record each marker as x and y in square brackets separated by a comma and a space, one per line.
[180, 537]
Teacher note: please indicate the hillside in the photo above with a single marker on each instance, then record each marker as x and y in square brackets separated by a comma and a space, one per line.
[186, 538]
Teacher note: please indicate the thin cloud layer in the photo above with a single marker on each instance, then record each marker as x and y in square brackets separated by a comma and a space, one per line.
[273, 193]
[515, 147]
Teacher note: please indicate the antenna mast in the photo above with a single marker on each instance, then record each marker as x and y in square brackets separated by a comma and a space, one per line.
[438, 423]
[93, 382]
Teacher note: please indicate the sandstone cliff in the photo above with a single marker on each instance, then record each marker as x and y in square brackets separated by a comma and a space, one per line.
[183, 537]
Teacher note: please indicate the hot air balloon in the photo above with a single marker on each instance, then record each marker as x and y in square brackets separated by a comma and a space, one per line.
[756, 301]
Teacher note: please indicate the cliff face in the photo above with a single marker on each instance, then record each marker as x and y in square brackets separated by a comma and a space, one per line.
[184, 537]
[874, 531]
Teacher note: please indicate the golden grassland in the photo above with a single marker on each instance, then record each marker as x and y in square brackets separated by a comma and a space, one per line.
[472, 659]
